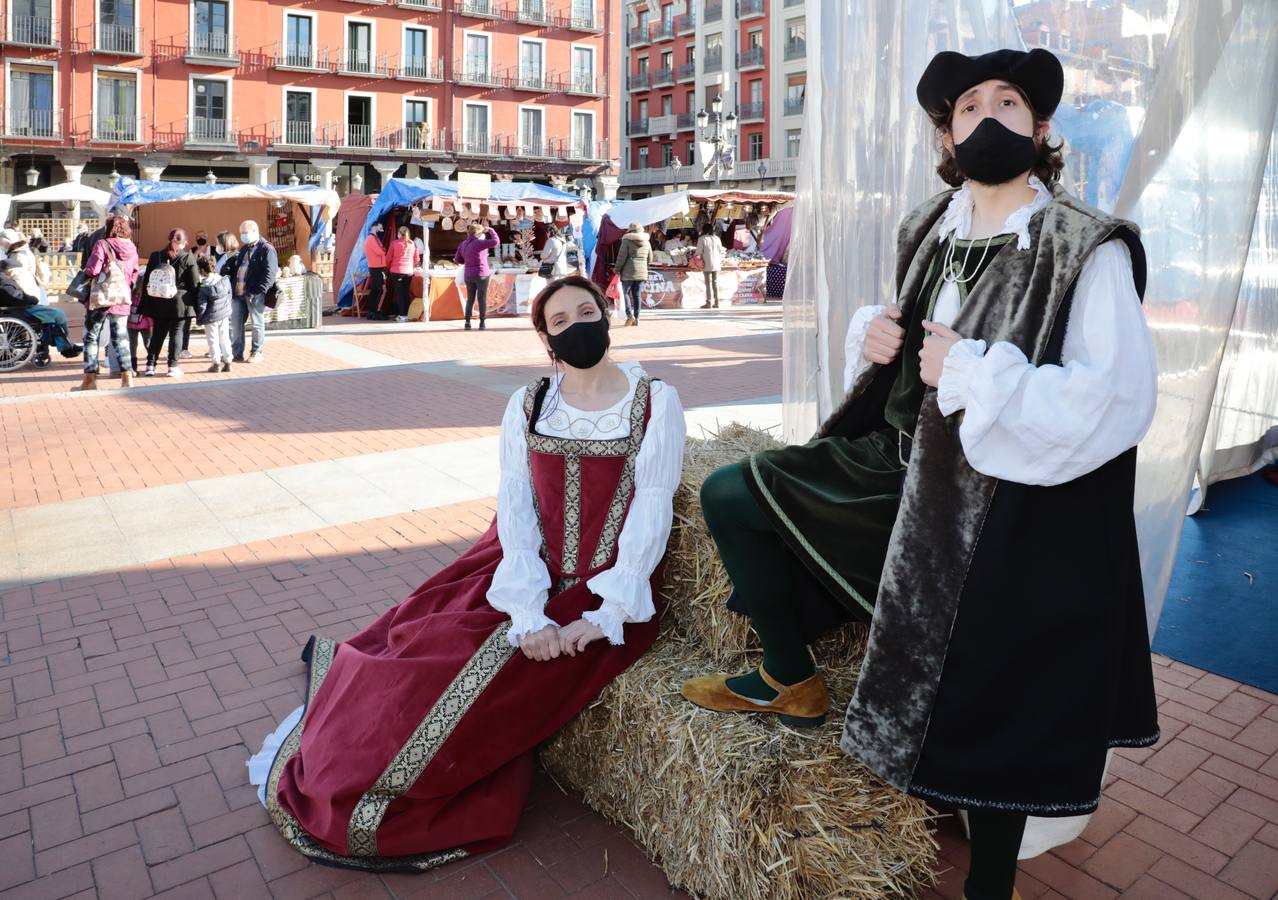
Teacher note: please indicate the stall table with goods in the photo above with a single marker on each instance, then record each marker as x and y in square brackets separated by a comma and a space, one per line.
[521, 214]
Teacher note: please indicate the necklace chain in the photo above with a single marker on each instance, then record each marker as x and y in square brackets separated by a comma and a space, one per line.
[952, 275]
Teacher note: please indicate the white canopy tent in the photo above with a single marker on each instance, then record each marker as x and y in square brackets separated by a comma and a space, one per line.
[67, 192]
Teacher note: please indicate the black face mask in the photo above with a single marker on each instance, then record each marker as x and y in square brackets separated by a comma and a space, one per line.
[582, 344]
[994, 154]
[201, 241]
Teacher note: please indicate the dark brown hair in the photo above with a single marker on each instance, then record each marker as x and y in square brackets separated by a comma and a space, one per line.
[206, 264]
[177, 234]
[118, 227]
[577, 281]
[1047, 166]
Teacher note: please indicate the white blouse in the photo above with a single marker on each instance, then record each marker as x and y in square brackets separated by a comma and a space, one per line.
[1046, 424]
[521, 584]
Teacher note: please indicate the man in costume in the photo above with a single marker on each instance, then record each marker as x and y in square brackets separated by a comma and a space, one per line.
[972, 496]
[415, 744]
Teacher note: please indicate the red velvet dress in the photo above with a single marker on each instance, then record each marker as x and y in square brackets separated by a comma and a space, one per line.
[416, 745]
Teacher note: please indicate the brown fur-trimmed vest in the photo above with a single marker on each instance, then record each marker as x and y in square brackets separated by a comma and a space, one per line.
[1022, 298]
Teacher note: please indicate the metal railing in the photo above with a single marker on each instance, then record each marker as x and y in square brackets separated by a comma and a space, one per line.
[203, 130]
[687, 120]
[477, 144]
[745, 171]
[435, 5]
[582, 17]
[748, 8]
[663, 77]
[213, 45]
[125, 40]
[583, 83]
[796, 49]
[422, 68]
[534, 12]
[115, 129]
[789, 3]
[358, 61]
[714, 12]
[714, 62]
[587, 150]
[533, 148]
[297, 134]
[522, 79]
[685, 23]
[637, 127]
[359, 136]
[637, 37]
[639, 81]
[34, 31]
[686, 71]
[413, 137]
[32, 123]
[794, 106]
[476, 71]
[663, 30]
[750, 57]
[750, 112]
[484, 9]
[300, 56]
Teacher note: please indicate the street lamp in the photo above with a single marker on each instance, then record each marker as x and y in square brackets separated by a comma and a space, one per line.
[293, 180]
[720, 131]
[210, 179]
[357, 182]
[33, 176]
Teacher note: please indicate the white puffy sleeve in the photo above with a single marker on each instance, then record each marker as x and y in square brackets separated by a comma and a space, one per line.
[1050, 424]
[625, 588]
[854, 361]
[521, 583]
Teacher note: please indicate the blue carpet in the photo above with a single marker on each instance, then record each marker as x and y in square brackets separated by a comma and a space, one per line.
[1221, 612]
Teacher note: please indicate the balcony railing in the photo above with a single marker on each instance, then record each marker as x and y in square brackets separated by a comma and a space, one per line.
[637, 37]
[359, 136]
[533, 148]
[481, 144]
[302, 56]
[476, 72]
[750, 58]
[534, 12]
[115, 129]
[637, 127]
[686, 71]
[435, 5]
[216, 47]
[203, 130]
[794, 106]
[685, 23]
[582, 17]
[639, 81]
[588, 150]
[796, 49]
[747, 9]
[415, 137]
[298, 134]
[663, 30]
[528, 80]
[118, 40]
[358, 61]
[751, 112]
[420, 68]
[33, 31]
[789, 3]
[714, 62]
[687, 120]
[36, 124]
[584, 83]
[714, 12]
[745, 171]
[662, 77]
[480, 9]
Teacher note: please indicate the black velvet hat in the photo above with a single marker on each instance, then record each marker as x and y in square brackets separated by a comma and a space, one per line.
[949, 75]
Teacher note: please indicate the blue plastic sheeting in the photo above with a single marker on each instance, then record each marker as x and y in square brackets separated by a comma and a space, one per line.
[399, 192]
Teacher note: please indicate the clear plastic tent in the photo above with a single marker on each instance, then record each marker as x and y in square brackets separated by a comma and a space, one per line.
[1168, 113]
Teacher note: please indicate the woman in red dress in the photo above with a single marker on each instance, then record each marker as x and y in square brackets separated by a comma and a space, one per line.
[415, 746]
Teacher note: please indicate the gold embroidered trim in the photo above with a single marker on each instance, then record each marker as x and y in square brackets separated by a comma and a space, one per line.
[616, 516]
[572, 511]
[321, 661]
[426, 739]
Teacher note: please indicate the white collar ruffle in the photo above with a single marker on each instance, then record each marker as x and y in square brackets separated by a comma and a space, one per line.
[958, 215]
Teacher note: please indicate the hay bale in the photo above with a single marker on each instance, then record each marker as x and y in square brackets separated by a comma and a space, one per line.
[697, 586]
[739, 806]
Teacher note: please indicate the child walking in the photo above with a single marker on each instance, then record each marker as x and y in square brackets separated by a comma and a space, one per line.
[213, 311]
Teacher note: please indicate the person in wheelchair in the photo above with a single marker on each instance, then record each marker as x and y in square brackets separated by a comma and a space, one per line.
[49, 321]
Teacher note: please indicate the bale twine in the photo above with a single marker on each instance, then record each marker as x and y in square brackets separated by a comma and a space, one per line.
[737, 807]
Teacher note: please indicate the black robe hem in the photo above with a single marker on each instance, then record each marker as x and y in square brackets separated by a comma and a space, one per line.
[1056, 809]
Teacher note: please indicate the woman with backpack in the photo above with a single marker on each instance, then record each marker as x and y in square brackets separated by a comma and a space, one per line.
[113, 266]
[168, 297]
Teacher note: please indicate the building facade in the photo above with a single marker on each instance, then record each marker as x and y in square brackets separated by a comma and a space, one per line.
[683, 54]
[330, 91]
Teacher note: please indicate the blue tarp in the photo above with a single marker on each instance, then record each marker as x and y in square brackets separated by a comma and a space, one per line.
[399, 192]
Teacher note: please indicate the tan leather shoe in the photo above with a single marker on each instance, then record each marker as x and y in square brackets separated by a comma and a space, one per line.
[126, 379]
[90, 383]
[801, 705]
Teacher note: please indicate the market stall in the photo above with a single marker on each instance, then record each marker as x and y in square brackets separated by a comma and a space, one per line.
[438, 214]
[675, 276]
[292, 218]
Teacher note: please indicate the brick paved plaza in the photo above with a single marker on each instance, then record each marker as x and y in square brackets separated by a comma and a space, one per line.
[165, 552]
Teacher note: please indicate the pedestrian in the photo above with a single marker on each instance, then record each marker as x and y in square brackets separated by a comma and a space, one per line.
[994, 551]
[113, 264]
[402, 260]
[228, 249]
[554, 255]
[168, 296]
[710, 249]
[375, 253]
[632, 268]
[202, 248]
[213, 311]
[81, 242]
[28, 270]
[256, 268]
[473, 252]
